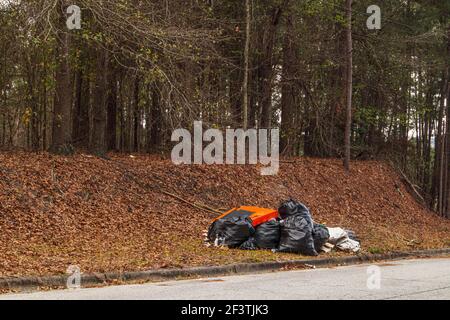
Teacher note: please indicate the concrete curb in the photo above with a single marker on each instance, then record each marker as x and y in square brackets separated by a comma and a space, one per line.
[88, 280]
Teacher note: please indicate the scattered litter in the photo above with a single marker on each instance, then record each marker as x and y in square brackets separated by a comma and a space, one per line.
[348, 245]
[296, 229]
[340, 238]
[320, 236]
[352, 235]
[336, 234]
[232, 231]
[292, 208]
[267, 235]
[296, 236]
[327, 247]
[289, 229]
[250, 244]
[237, 225]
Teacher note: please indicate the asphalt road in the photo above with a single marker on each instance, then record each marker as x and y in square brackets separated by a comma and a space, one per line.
[405, 279]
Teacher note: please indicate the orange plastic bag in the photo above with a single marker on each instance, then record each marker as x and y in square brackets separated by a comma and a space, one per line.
[255, 215]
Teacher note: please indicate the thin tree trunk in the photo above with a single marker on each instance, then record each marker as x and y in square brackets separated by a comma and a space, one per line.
[247, 62]
[437, 172]
[446, 192]
[98, 143]
[62, 133]
[154, 135]
[288, 93]
[446, 162]
[112, 111]
[136, 115]
[266, 69]
[81, 111]
[349, 87]
[44, 112]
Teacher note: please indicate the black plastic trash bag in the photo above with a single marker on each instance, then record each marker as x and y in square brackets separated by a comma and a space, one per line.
[230, 231]
[320, 236]
[297, 235]
[267, 235]
[250, 244]
[287, 208]
[292, 208]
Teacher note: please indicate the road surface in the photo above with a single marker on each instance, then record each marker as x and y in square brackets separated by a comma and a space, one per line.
[405, 279]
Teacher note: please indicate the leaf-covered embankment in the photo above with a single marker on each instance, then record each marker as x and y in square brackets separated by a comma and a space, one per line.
[123, 213]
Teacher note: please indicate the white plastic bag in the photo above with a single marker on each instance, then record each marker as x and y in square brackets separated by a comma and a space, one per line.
[348, 245]
[337, 234]
[339, 237]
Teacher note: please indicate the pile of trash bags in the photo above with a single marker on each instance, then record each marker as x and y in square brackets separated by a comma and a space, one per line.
[290, 229]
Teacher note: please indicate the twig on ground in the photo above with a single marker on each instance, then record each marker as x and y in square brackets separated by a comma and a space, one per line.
[160, 190]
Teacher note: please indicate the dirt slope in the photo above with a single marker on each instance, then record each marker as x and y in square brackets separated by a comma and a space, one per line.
[105, 215]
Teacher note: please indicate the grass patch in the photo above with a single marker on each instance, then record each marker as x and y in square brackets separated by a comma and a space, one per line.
[375, 250]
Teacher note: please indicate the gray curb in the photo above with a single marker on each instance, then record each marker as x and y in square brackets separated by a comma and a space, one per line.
[87, 280]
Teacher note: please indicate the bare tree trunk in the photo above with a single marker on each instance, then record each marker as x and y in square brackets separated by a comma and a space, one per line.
[136, 115]
[33, 102]
[266, 69]
[445, 164]
[247, 62]
[111, 122]
[443, 197]
[44, 111]
[81, 110]
[122, 120]
[288, 91]
[148, 119]
[349, 87]
[154, 135]
[62, 125]
[446, 160]
[436, 191]
[98, 143]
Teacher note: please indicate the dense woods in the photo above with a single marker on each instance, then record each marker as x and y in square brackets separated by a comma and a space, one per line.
[136, 70]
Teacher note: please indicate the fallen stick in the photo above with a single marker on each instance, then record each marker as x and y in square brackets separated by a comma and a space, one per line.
[158, 189]
[411, 186]
[193, 204]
